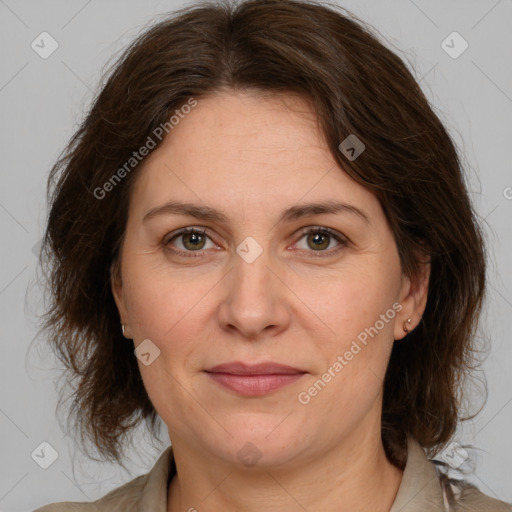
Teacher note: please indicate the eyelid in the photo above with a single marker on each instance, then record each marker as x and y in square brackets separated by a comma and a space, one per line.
[342, 240]
[189, 229]
[173, 234]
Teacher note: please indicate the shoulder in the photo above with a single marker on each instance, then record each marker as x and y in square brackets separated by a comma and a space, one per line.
[426, 485]
[145, 492]
[122, 499]
[460, 496]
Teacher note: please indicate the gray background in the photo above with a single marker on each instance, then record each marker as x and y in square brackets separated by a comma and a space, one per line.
[42, 100]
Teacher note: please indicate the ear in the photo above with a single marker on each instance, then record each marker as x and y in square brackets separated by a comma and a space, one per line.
[116, 285]
[413, 298]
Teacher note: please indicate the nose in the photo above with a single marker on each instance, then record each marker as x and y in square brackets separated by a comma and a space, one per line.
[255, 300]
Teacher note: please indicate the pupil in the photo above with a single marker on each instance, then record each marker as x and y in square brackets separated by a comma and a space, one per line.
[194, 239]
[319, 240]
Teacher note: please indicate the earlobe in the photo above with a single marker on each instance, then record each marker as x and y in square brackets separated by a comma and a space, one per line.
[116, 285]
[413, 298]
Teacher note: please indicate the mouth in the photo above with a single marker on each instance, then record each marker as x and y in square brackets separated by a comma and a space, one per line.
[254, 379]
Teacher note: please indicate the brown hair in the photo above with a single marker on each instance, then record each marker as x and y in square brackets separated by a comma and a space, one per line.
[357, 86]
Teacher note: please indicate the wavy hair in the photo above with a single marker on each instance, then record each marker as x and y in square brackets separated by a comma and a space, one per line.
[356, 86]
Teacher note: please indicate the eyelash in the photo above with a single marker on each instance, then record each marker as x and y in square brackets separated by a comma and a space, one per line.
[305, 231]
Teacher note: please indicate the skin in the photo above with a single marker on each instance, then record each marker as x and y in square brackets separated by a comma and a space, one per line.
[251, 157]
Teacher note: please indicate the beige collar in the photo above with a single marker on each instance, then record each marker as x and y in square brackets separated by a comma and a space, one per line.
[419, 490]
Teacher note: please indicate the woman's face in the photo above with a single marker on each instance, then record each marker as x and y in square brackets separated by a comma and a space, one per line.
[250, 286]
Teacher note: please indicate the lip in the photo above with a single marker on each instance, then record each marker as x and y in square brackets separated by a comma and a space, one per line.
[267, 368]
[254, 379]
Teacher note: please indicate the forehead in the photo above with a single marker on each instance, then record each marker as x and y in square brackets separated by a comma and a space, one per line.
[239, 148]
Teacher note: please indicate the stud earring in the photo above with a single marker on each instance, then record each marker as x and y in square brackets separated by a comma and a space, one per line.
[405, 325]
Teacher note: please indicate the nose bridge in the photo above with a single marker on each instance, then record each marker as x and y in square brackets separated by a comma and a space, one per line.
[251, 278]
[254, 299]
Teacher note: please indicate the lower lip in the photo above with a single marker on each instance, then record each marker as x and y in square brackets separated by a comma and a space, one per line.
[254, 385]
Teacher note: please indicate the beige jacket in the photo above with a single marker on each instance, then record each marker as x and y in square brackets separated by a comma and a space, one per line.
[421, 490]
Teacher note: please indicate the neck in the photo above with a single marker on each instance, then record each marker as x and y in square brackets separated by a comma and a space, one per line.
[355, 476]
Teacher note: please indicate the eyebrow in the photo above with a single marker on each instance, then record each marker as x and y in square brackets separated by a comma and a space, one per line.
[288, 215]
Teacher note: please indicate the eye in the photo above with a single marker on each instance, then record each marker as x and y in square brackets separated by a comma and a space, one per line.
[189, 240]
[318, 240]
[321, 240]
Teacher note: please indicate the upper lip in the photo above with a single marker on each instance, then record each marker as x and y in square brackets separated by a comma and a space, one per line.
[241, 368]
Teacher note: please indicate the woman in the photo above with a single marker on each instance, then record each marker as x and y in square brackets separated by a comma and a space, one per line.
[261, 233]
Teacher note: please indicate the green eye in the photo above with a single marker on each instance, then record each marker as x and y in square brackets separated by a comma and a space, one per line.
[319, 239]
[192, 240]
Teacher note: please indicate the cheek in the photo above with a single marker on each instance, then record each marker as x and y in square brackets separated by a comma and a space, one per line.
[168, 310]
[171, 309]
[349, 300]
[352, 341]
[160, 299]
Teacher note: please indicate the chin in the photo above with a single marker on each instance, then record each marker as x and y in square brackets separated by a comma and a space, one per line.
[263, 443]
